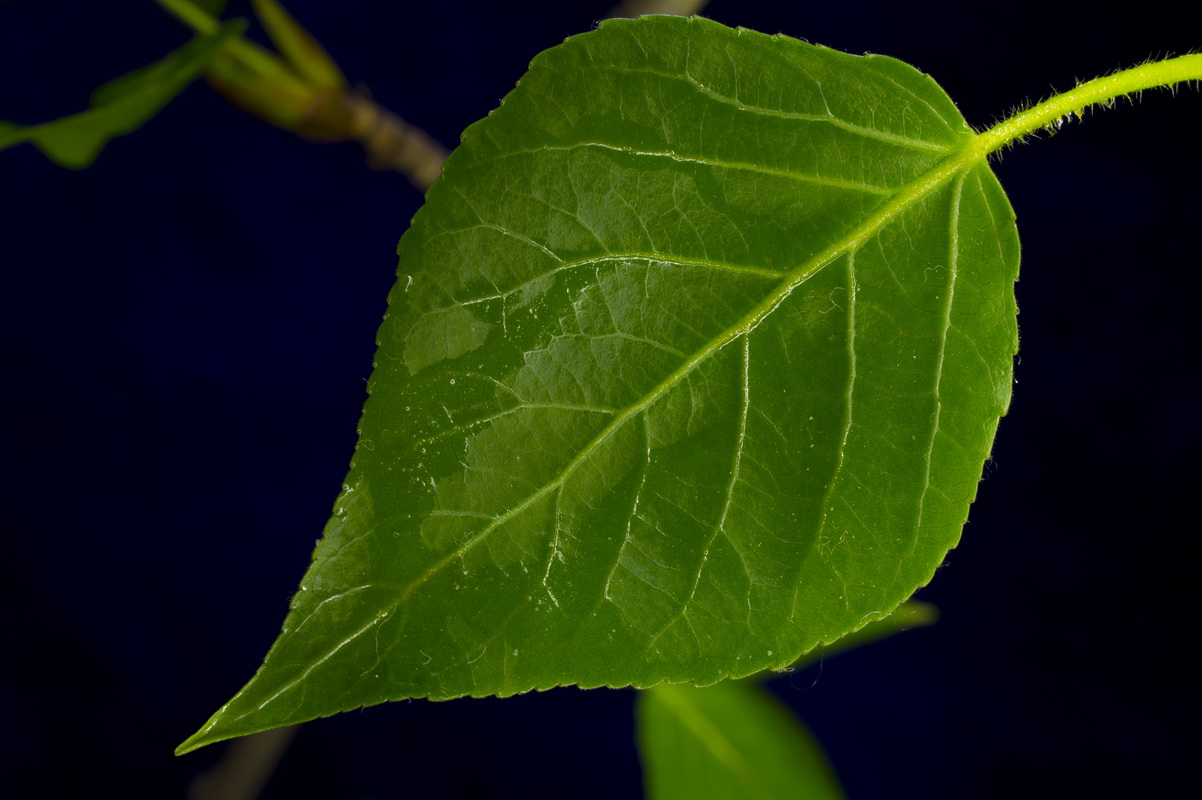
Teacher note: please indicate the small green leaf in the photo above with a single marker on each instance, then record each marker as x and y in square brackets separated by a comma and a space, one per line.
[120, 106]
[697, 352]
[728, 742]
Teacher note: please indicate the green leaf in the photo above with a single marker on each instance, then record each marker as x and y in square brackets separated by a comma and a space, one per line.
[695, 357]
[120, 106]
[728, 742]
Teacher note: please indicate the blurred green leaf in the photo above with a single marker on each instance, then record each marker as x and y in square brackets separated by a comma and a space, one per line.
[303, 91]
[732, 741]
[910, 614]
[122, 105]
[737, 740]
[696, 355]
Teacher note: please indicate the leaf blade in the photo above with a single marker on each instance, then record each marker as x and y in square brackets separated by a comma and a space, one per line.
[610, 367]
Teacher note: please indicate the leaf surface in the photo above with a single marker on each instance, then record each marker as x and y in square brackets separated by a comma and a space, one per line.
[728, 742]
[695, 356]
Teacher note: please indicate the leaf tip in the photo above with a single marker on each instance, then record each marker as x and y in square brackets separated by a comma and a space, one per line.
[204, 736]
[218, 728]
[189, 744]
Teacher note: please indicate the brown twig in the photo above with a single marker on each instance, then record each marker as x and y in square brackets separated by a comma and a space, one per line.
[392, 143]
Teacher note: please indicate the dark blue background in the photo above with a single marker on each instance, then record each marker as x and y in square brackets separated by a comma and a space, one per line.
[186, 329]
